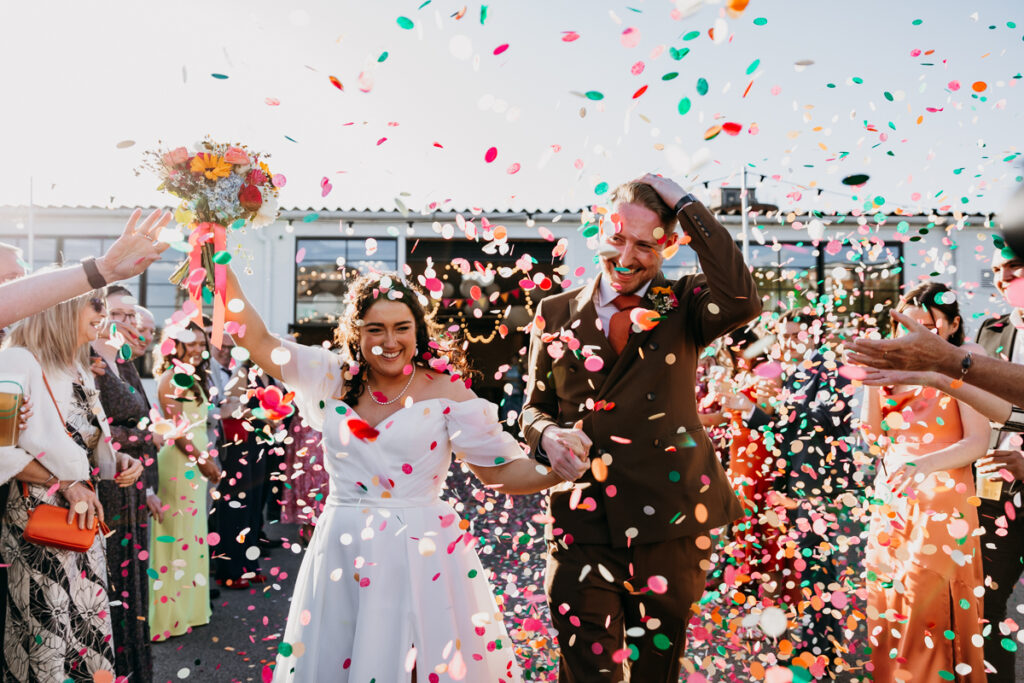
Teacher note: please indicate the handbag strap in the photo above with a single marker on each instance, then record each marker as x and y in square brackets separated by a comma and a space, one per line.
[63, 424]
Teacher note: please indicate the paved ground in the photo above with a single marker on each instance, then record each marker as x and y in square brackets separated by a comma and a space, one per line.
[241, 639]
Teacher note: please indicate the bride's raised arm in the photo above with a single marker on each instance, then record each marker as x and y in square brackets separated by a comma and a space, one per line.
[256, 338]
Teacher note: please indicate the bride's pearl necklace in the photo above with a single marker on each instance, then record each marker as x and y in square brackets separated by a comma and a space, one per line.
[400, 394]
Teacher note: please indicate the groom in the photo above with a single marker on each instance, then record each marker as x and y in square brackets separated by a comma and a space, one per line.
[630, 541]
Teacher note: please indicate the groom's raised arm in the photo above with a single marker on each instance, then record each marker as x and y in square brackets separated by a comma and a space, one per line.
[540, 405]
[725, 296]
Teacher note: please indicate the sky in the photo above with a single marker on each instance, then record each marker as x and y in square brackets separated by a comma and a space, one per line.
[922, 97]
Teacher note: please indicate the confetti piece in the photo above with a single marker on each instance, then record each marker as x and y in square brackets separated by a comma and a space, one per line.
[594, 95]
[491, 154]
[336, 83]
[125, 144]
[219, 76]
[405, 23]
[855, 180]
[501, 48]
[684, 107]
[569, 36]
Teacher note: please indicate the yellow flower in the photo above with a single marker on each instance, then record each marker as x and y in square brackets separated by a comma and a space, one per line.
[211, 166]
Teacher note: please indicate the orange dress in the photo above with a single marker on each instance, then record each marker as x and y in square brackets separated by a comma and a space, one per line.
[923, 555]
[756, 541]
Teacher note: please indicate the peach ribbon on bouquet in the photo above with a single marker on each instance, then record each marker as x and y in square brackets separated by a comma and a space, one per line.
[203, 234]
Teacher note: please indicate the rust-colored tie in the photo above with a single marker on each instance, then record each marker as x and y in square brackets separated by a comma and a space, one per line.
[620, 325]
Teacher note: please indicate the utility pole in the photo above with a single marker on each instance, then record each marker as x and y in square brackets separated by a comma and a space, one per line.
[743, 215]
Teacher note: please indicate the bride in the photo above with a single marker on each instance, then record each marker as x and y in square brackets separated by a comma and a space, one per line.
[391, 588]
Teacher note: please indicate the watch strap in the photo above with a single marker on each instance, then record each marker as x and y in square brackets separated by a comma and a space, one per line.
[92, 273]
[683, 201]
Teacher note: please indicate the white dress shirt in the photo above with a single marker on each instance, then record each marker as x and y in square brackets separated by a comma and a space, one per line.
[603, 297]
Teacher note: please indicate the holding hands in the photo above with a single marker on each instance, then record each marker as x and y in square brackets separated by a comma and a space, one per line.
[567, 449]
[129, 470]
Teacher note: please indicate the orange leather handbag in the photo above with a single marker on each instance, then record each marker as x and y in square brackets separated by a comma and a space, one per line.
[48, 525]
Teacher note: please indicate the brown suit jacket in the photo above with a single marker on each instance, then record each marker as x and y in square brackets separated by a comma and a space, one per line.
[664, 480]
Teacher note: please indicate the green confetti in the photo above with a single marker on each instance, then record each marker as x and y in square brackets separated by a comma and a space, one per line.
[702, 86]
[674, 476]
[888, 95]
[691, 35]
[590, 230]
[238, 223]
[917, 22]
[483, 14]
[222, 258]
[857, 79]
[472, 573]
[946, 675]
[383, 57]
[310, 217]
[220, 77]
[684, 105]
[594, 95]
[284, 649]
[753, 66]
[678, 54]
[165, 539]
[151, 573]
[405, 22]
[670, 75]
[662, 642]
[601, 188]
[1009, 644]
[760, 21]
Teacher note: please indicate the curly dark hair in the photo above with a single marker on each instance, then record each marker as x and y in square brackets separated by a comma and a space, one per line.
[437, 349]
[202, 374]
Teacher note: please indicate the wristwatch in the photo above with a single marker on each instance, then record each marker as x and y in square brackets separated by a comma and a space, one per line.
[683, 201]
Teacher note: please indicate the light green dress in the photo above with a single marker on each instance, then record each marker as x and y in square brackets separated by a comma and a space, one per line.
[179, 564]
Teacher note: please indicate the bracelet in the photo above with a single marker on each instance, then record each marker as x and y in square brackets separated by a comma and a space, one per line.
[69, 486]
[52, 477]
[965, 365]
[92, 273]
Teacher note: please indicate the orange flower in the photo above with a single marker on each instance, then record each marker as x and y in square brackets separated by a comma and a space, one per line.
[211, 166]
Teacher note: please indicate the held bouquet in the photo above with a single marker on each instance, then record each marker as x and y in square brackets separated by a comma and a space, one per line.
[221, 186]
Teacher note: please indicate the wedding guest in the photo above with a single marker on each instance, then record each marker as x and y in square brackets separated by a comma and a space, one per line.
[147, 334]
[63, 631]
[127, 510]
[924, 558]
[128, 256]
[806, 428]
[756, 536]
[180, 597]
[242, 455]
[306, 484]
[12, 267]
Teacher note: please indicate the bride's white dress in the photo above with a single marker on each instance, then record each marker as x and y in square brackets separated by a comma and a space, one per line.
[391, 577]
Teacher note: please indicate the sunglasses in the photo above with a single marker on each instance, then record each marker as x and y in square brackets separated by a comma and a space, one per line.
[98, 304]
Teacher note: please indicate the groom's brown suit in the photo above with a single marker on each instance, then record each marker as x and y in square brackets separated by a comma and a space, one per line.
[665, 488]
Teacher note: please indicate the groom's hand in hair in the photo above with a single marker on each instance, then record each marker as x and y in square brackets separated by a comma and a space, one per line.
[567, 450]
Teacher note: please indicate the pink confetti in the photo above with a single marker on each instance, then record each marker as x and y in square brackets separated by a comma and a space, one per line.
[569, 36]
[212, 538]
[272, 101]
[513, 169]
[491, 154]
[279, 180]
[630, 37]
[658, 584]
[637, 69]
[953, 85]
[325, 187]
[593, 363]
[501, 48]
[300, 255]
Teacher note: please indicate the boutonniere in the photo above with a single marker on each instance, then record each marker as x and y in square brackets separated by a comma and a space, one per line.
[663, 299]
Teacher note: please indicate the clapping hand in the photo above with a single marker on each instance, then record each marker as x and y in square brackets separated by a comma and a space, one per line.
[567, 451]
[919, 349]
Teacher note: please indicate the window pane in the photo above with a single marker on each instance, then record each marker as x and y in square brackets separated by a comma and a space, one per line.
[327, 266]
[864, 278]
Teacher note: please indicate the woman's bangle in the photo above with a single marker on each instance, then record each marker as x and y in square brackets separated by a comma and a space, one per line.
[47, 482]
[69, 486]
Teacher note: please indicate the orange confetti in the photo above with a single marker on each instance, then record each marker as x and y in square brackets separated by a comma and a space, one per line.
[599, 469]
[979, 86]
[336, 83]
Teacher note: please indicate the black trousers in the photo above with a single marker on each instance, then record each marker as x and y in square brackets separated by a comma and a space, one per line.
[237, 509]
[1002, 555]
